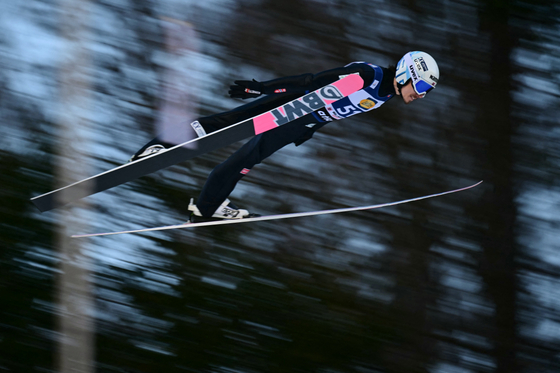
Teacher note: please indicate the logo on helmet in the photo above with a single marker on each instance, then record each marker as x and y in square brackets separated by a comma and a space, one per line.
[421, 64]
[413, 72]
[434, 78]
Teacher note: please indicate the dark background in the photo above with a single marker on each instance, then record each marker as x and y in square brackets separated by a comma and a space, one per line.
[463, 283]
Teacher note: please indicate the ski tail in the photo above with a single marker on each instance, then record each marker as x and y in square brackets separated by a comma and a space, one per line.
[141, 167]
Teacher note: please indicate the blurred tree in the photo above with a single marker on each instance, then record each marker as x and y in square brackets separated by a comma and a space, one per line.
[75, 324]
[27, 261]
[507, 24]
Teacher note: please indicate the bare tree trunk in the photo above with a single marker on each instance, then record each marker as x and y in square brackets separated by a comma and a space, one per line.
[75, 318]
[498, 210]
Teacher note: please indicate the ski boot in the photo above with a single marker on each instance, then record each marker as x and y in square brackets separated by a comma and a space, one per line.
[227, 210]
[153, 149]
[157, 145]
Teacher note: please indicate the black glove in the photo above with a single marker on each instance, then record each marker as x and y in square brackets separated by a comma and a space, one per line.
[246, 89]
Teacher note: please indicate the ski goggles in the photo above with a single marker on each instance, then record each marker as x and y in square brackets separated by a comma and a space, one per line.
[421, 87]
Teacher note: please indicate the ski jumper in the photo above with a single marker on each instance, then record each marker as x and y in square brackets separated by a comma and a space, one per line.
[378, 88]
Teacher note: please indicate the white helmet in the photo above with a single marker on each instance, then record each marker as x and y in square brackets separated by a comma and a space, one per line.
[421, 68]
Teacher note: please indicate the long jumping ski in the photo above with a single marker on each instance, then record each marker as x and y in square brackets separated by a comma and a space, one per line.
[275, 217]
[283, 114]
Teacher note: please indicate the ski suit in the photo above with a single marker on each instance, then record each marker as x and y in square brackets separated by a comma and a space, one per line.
[378, 88]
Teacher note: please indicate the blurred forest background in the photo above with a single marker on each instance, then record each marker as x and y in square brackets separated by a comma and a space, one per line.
[464, 283]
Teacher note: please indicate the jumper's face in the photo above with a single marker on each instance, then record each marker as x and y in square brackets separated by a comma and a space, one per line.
[407, 92]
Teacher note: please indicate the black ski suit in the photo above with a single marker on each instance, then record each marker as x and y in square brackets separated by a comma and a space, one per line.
[223, 179]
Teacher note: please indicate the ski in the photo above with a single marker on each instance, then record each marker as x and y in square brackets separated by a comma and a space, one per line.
[261, 123]
[275, 217]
